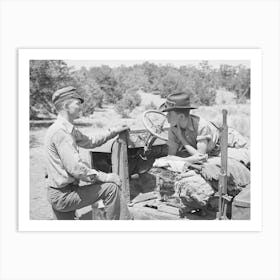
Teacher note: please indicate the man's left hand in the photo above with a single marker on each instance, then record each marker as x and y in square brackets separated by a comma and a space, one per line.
[120, 128]
[114, 178]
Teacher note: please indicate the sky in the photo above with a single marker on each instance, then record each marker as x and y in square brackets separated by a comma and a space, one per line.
[115, 63]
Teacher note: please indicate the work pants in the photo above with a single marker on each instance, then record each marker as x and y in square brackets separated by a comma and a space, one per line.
[66, 200]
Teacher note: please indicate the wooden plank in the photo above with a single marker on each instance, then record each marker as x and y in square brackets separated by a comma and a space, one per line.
[158, 210]
[120, 163]
[124, 172]
[140, 212]
[115, 157]
[223, 176]
[144, 197]
[169, 209]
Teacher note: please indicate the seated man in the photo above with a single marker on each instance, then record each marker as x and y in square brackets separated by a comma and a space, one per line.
[65, 167]
[197, 136]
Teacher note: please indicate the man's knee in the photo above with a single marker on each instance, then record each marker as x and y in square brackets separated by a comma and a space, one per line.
[112, 187]
[111, 191]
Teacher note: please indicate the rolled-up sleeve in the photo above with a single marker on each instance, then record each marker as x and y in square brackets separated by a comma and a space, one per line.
[87, 142]
[204, 133]
[70, 157]
[207, 132]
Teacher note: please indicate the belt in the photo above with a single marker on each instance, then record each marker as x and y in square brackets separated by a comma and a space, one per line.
[71, 187]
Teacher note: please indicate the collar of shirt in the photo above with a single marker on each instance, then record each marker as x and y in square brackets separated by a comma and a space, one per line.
[68, 126]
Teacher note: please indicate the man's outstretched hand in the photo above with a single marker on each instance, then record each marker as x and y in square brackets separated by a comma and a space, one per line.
[120, 128]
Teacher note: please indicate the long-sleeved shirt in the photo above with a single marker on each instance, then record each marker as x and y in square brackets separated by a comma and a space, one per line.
[64, 164]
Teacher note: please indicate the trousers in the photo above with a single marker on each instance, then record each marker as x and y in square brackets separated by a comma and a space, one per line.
[66, 200]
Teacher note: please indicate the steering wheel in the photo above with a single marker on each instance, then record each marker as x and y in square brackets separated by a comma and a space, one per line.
[155, 122]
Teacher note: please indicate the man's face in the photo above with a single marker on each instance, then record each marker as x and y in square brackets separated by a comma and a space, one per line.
[74, 108]
[172, 118]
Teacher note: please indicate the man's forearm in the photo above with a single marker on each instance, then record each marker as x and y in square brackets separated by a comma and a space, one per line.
[92, 142]
[108, 178]
[102, 177]
[192, 151]
[99, 140]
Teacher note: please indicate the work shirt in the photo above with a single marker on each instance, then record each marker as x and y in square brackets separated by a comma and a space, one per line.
[197, 130]
[64, 164]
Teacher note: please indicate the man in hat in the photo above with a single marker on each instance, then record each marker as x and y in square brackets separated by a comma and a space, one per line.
[196, 136]
[66, 169]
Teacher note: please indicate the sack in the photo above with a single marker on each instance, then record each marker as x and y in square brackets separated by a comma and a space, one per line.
[165, 180]
[187, 189]
[238, 174]
[193, 190]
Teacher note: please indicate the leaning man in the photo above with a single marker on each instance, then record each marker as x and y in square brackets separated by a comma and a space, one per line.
[66, 169]
[190, 135]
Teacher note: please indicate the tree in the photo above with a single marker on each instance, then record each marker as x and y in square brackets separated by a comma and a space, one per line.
[153, 75]
[89, 90]
[236, 79]
[172, 82]
[129, 79]
[105, 84]
[46, 76]
[129, 101]
[241, 83]
[104, 77]
[206, 85]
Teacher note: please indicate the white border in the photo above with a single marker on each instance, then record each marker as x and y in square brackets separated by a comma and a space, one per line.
[254, 55]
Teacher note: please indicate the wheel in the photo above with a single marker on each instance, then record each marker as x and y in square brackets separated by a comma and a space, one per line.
[156, 123]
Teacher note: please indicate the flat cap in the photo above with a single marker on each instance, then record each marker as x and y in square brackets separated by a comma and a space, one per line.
[66, 93]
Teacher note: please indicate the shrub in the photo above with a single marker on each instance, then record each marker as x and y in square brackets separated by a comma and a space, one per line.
[129, 101]
[151, 106]
[99, 124]
[224, 97]
[137, 99]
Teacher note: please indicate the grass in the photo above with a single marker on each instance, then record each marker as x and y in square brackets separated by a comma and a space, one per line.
[238, 118]
[98, 124]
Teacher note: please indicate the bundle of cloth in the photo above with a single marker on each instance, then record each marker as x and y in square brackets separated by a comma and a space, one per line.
[195, 183]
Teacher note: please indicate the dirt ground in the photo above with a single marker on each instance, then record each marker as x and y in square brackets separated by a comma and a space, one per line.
[239, 118]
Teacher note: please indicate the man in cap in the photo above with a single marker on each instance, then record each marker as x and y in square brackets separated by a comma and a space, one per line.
[66, 169]
[198, 137]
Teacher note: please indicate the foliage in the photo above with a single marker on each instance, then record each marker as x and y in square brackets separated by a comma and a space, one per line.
[89, 90]
[151, 106]
[46, 76]
[105, 78]
[236, 79]
[238, 116]
[130, 78]
[118, 85]
[172, 81]
[125, 106]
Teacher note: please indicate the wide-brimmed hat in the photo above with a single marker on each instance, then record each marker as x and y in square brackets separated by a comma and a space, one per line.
[66, 93]
[178, 100]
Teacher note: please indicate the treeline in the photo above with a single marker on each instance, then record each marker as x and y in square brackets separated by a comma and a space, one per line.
[119, 85]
